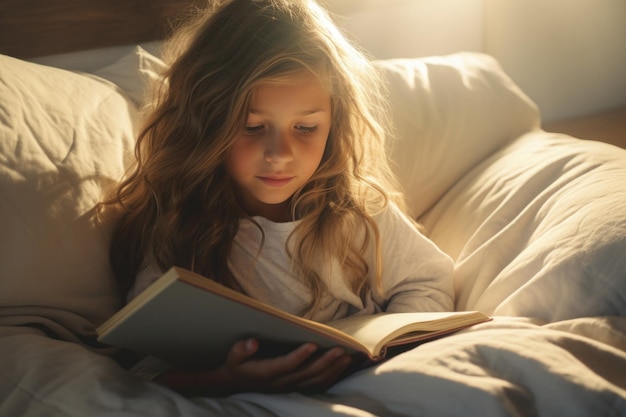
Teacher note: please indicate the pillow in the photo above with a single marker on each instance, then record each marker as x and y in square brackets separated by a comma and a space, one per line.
[538, 229]
[450, 112]
[133, 73]
[65, 139]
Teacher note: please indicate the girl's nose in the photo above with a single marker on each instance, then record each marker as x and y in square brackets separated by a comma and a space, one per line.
[278, 149]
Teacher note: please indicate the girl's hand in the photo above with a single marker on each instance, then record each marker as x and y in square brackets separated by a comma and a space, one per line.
[295, 371]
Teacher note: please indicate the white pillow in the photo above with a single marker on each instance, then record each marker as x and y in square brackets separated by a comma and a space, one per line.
[539, 230]
[450, 113]
[134, 73]
[64, 140]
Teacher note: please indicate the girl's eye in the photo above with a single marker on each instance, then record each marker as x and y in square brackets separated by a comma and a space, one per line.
[306, 130]
[253, 130]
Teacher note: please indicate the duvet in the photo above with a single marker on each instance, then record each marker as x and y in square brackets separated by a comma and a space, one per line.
[508, 367]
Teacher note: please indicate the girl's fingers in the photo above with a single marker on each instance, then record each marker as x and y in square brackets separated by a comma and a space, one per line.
[320, 373]
[326, 378]
[240, 361]
[242, 351]
[293, 371]
[289, 363]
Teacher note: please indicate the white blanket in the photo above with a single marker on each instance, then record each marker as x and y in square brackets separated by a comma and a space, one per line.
[508, 367]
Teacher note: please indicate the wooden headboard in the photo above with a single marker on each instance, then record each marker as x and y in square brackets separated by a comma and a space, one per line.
[32, 28]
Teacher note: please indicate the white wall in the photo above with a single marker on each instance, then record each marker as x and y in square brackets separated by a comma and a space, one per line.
[569, 56]
[410, 28]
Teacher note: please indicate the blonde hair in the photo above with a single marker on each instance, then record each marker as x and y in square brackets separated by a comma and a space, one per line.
[178, 203]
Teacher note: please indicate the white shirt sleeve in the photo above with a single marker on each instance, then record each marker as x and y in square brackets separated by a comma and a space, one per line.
[143, 280]
[417, 275]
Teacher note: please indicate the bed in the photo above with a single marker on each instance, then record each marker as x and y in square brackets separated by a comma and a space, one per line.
[535, 221]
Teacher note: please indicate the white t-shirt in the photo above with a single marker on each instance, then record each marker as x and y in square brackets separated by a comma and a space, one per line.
[416, 274]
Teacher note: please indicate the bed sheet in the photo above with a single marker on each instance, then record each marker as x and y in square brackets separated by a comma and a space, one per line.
[507, 367]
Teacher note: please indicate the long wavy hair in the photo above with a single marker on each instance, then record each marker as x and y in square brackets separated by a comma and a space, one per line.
[178, 204]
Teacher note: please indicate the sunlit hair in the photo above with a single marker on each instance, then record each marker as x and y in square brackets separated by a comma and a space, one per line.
[178, 204]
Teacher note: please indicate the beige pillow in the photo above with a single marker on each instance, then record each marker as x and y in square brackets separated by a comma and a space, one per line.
[538, 229]
[450, 113]
[64, 140]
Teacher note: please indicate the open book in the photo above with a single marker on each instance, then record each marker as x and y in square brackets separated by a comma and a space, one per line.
[188, 319]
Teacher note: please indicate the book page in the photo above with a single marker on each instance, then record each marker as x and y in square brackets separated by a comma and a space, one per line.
[375, 331]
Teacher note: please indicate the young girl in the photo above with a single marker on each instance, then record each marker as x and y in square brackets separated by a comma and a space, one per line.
[262, 166]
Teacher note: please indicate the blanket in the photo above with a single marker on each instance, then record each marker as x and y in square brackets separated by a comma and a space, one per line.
[507, 367]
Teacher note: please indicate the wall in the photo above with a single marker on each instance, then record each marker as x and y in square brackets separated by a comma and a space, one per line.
[410, 28]
[569, 56]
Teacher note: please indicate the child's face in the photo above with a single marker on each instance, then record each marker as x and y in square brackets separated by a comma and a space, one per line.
[281, 145]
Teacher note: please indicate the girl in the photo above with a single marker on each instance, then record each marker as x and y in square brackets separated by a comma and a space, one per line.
[262, 166]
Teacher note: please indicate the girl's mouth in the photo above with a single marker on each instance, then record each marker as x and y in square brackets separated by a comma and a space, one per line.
[275, 181]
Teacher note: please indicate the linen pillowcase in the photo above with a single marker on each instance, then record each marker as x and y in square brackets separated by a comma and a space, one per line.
[65, 140]
[539, 230]
[450, 112]
[134, 73]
